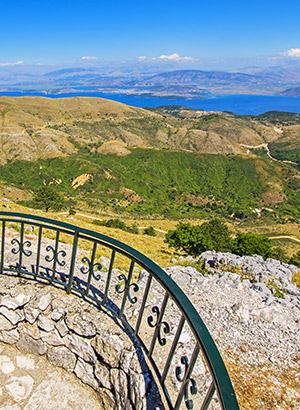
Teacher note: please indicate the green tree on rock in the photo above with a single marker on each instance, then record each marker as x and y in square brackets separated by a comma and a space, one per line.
[219, 234]
[253, 244]
[47, 198]
[213, 235]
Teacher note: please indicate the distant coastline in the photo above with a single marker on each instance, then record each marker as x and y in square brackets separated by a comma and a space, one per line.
[239, 104]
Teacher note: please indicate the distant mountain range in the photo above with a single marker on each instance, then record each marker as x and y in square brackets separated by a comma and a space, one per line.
[291, 92]
[181, 83]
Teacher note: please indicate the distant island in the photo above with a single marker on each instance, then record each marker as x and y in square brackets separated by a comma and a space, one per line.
[177, 84]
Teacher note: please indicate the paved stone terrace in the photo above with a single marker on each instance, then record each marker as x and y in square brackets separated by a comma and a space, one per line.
[30, 382]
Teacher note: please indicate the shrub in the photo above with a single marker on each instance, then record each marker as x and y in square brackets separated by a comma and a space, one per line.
[253, 244]
[219, 234]
[213, 235]
[150, 231]
[118, 224]
[47, 198]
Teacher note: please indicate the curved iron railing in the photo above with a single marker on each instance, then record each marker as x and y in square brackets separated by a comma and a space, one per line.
[174, 338]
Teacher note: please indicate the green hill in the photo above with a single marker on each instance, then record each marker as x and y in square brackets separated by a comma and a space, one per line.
[173, 161]
[33, 128]
[171, 183]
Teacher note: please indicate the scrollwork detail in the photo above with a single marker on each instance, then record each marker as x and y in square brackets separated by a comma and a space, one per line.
[90, 268]
[159, 325]
[20, 248]
[124, 281]
[55, 256]
[193, 385]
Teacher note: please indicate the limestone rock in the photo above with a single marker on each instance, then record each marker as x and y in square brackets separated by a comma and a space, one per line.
[14, 303]
[6, 365]
[13, 316]
[81, 325]
[45, 323]
[31, 314]
[85, 372]
[44, 301]
[20, 387]
[119, 381]
[138, 391]
[61, 356]
[80, 347]
[107, 400]
[57, 314]
[29, 345]
[5, 324]
[10, 336]
[25, 362]
[109, 347]
[52, 338]
[103, 375]
[62, 328]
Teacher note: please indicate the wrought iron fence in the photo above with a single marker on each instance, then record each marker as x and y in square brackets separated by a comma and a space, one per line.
[136, 291]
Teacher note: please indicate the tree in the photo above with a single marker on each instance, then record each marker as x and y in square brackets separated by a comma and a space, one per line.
[213, 235]
[253, 244]
[47, 197]
[150, 231]
[220, 235]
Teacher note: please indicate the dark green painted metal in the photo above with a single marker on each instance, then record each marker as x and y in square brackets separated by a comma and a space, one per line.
[38, 254]
[218, 370]
[127, 284]
[112, 260]
[187, 379]
[146, 292]
[209, 396]
[2, 244]
[160, 313]
[21, 248]
[172, 350]
[73, 259]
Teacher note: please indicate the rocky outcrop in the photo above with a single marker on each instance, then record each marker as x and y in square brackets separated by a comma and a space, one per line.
[252, 311]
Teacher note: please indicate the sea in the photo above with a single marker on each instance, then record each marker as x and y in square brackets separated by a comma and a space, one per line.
[239, 104]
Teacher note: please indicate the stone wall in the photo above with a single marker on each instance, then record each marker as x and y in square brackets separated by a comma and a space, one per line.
[75, 335]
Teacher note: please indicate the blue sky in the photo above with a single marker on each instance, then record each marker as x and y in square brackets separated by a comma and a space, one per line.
[190, 32]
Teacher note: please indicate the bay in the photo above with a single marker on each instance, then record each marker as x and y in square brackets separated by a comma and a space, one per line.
[239, 104]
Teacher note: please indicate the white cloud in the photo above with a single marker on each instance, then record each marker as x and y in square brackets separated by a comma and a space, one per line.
[142, 58]
[89, 58]
[174, 57]
[292, 53]
[10, 64]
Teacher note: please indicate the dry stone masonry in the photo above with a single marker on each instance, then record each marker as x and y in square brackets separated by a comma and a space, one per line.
[76, 336]
[30, 382]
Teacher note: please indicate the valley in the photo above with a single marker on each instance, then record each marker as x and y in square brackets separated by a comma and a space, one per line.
[133, 174]
[167, 163]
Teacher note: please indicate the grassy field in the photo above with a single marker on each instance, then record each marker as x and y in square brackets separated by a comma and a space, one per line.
[155, 247]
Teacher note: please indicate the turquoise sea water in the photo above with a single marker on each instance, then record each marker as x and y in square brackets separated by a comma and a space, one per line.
[240, 104]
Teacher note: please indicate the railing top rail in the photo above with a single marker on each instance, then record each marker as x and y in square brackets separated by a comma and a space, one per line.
[219, 372]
